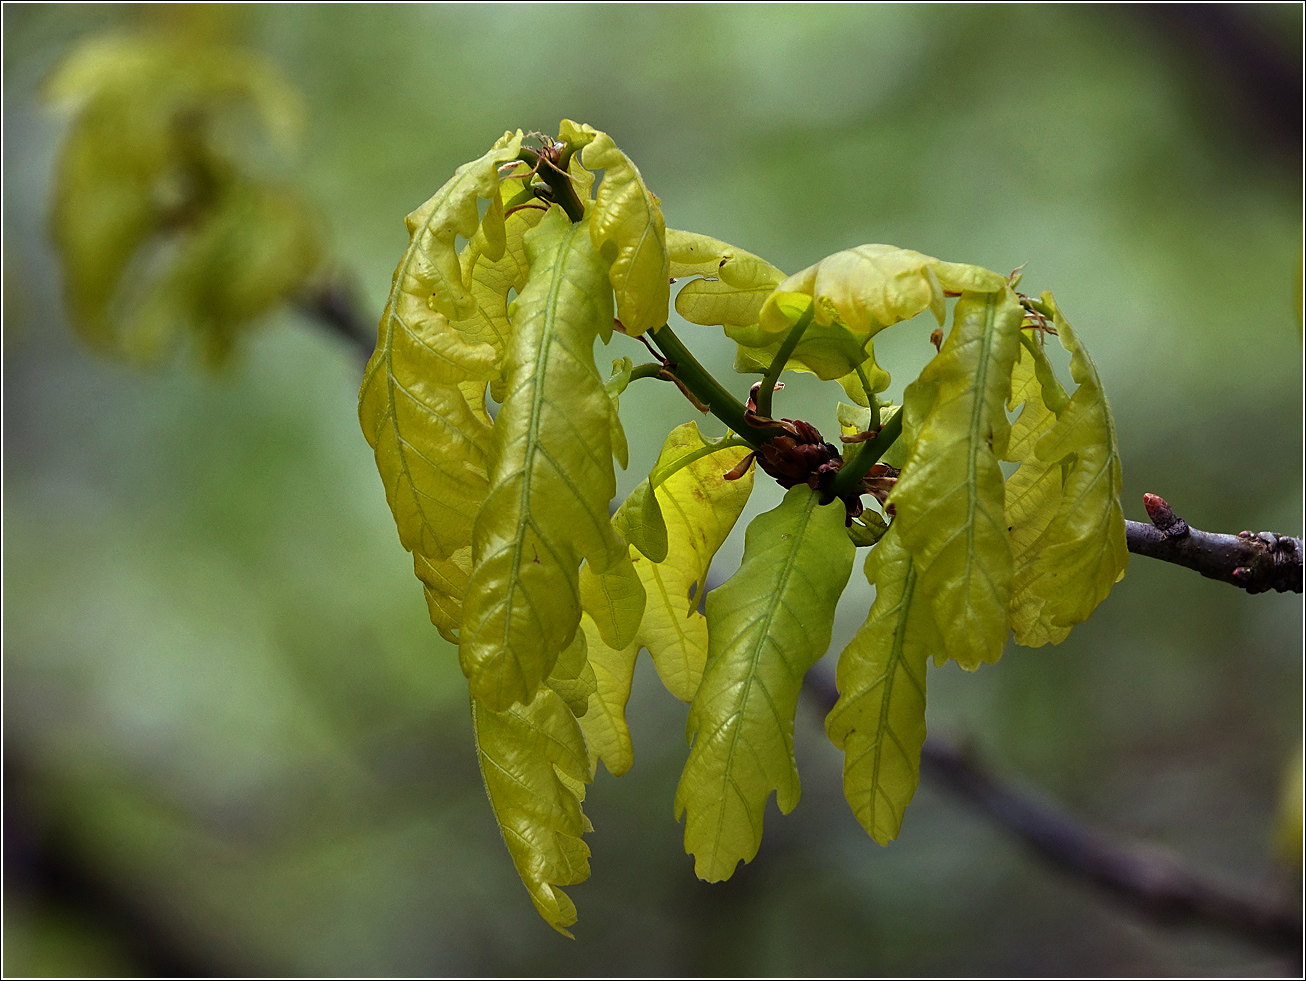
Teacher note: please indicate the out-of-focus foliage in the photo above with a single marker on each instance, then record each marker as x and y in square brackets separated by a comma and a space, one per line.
[163, 228]
[240, 722]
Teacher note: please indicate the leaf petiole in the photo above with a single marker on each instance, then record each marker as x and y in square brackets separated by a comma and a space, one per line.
[782, 356]
[848, 480]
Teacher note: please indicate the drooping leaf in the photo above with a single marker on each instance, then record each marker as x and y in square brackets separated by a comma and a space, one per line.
[866, 529]
[614, 386]
[551, 474]
[1082, 551]
[627, 229]
[949, 499]
[701, 508]
[1033, 492]
[534, 764]
[614, 599]
[160, 225]
[572, 676]
[768, 624]
[431, 444]
[736, 282]
[639, 521]
[443, 582]
[874, 286]
[492, 269]
[879, 720]
[606, 734]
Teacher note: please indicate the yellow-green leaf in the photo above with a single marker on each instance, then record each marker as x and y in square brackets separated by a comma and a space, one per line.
[533, 761]
[443, 582]
[606, 734]
[768, 624]
[572, 676]
[639, 521]
[431, 443]
[551, 474]
[949, 498]
[1083, 551]
[1033, 492]
[692, 254]
[700, 507]
[614, 599]
[627, 229]
[874, 286]
[879, 720]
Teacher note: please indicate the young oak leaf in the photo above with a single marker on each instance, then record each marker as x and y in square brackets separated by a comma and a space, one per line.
[949, 498]
[573, 677]
[430, 441]
[736, 284]
[614, 600]
[627, 228]
[1033, 492]
[534, 764]
[1084, 552]
[701, 508]
[767, 624]
[443, 582]
[879, 720]
[551, 474]
[607, 736]
[875, 286]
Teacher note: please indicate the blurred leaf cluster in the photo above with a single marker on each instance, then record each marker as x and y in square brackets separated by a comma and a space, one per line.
[164, 225]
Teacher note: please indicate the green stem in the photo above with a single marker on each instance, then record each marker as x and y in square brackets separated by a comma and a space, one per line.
[772, 376]
[705, 388]
[650, 370]
[849, 478]
[564, 193]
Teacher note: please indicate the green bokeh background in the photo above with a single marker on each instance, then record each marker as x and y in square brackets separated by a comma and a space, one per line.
[224, 704]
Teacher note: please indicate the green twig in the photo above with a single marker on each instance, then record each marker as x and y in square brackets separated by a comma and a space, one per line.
[849, 478]
[782, 356]
[650, 370]
[697, 380]
[564, 194]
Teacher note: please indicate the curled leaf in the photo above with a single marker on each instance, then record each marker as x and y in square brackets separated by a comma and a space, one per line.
[627, 229]
[875, 286]
[551, 474]
[1033, 492]
[535, 766]
[431, 442]
[1083, 551]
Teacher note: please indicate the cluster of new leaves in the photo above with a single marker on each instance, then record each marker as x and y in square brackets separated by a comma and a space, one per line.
[550, 597]
[163, 221]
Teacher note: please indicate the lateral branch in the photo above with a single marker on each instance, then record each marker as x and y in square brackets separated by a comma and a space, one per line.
[1256, 562]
